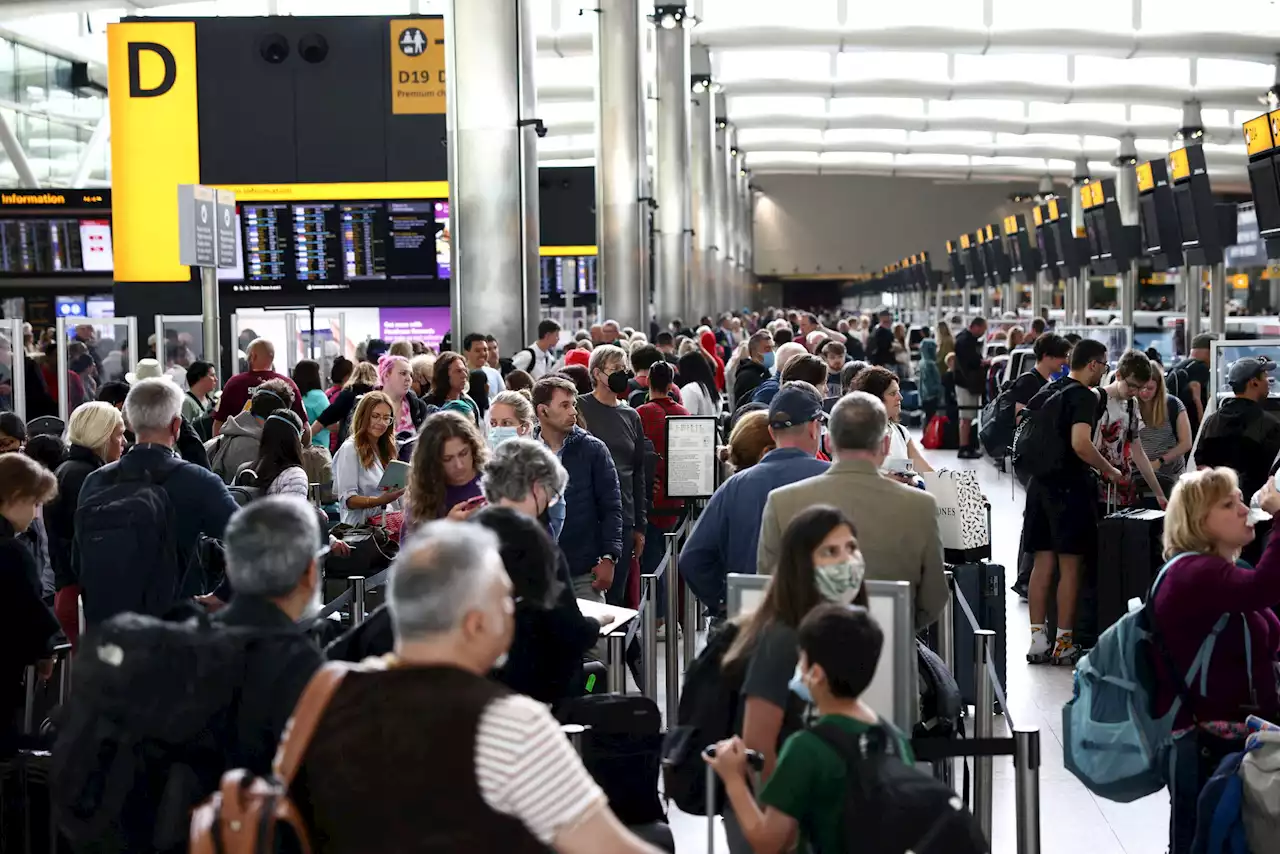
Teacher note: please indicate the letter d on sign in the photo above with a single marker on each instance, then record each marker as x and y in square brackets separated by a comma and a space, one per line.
[135, 69]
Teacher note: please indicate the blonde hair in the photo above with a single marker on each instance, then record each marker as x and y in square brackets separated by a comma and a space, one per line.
[404, 349]
[421, 368]
[365, 373]
[1193, 496]
[750, 440]
[518, 401]
[1155, 412]
[91, 426]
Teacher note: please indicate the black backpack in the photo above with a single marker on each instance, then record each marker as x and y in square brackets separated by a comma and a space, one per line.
[893, 808]
[997, 423]
[126, 545]
[941, 703]
[1038, 445]
[146, 732]
[1177, 382]
[621, 750]
[707, 714]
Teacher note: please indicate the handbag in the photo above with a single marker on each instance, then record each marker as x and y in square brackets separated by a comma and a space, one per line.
[963, 515]
[934, 432]
[372, 551]
[391, 521]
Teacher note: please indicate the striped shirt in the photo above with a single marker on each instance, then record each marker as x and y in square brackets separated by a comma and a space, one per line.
[1157, 441]
[527, 769]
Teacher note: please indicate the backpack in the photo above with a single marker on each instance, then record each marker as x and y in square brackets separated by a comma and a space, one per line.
[1038, 446]
[1177, 382]
[1111, 741]
[941, 703]
[145, 734]
[706, 715]
[997, 422]
[126, 546]
[246, 814]
[622, 751]
[893, 808]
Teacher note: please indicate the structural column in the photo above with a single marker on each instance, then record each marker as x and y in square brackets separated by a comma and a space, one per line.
[745, 223]
[1080, 285]
[620, 150]
[720, 177]
[1127, 199]
[493, 169]
[1191, 133]
[702, 139]
[731, 212]
[672, 250]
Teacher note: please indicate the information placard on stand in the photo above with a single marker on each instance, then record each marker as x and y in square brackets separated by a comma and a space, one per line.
[691, 455]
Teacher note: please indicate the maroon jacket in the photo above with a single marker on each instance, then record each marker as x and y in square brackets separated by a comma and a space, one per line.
[1199, 589]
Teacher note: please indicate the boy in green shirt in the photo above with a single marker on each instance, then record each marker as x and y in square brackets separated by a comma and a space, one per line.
[839, 649]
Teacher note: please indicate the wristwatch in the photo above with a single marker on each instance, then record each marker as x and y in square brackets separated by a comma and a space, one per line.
[613, 560]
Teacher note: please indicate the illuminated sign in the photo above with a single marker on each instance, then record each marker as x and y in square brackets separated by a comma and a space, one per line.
[1146, 182]
[964, 241]
[1179, 168]
[1053, 209]
[1257, 135]
[1037, 215]
[373, 191]
[417, 66]
[1095, 191]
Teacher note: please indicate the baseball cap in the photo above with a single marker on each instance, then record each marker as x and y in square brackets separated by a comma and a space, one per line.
[795, 403]
[1243, 370]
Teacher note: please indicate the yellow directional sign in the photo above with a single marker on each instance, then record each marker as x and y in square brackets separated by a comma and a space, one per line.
[1257, 135]
[1179, 167]
[1146, 182]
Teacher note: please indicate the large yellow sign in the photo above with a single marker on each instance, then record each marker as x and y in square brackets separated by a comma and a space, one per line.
[1179, 166]
[417, 66]
[1146, 180]
[1257, 135]
[155, 145]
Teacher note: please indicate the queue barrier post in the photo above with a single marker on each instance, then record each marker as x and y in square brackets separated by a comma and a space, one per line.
[673, 631]
[1026, 769]
[617, 663]
[945, 769]
[649, 635]
[984, 724]
[692, 625]
[576, 733]
[358, 614]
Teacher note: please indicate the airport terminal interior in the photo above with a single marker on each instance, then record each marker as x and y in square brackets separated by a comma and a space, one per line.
[756, 427]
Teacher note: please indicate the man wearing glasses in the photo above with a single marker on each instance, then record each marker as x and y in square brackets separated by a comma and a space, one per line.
[1118, 427]
[1060, 522]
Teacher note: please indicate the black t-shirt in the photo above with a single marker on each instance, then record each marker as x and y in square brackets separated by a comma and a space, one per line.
[881, 349]
[1197, 372]
[1079, 405]
[1025, 387]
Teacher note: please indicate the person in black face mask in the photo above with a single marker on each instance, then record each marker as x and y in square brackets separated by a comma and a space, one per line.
[609, 419]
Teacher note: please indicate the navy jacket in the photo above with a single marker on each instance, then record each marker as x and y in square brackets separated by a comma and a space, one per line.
[592, 503]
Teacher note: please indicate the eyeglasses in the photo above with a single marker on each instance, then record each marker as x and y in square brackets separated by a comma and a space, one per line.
[382, 419]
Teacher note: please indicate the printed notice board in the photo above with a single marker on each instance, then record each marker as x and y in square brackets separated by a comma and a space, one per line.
[691, 455]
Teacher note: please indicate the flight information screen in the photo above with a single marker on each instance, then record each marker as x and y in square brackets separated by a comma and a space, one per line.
[364, 237]
[41, 247]
[315, 243]
[267, 257]
[411, 239]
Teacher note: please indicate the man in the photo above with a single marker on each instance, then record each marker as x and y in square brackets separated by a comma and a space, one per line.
[239, 440]
[610, 420]
[494, 359]
[476, 350]
[833, 353]
[726, 334]
[1051, 352]
[596, 334]
[508, 780]
[971, 380]
[786, 354]
[644, 358]
[610, 332]
[538, 359]
[897, 525]
[880, 342]
[272, 565]
[1119, 428]
[261, 356]
[753, 370]
[666, 345]
[1189, 380]
[1060, 522]
[807, 323]
[728, 532]
[592, 534]
[190, 445]
[1240, 434]
[1037, 329]
[202, 379]
[124, 523]
[88, 336]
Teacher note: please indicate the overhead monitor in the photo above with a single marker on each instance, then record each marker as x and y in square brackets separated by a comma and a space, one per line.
[1024, 256]
[568, 274]
[1110, 243]
[56, 234]
[956, 262]
[1205, 230]
[974, 262]
[1262, 141]
[1158, 216]
[999, 268]
[1045, 242]
[1067, 254]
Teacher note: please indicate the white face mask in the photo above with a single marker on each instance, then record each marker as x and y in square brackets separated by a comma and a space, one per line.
[498, 435]
[840, 582]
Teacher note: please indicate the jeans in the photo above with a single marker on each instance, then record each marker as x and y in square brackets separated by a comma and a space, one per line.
[617, 594]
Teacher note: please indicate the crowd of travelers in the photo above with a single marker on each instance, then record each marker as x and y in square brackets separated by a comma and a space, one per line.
[507, 495]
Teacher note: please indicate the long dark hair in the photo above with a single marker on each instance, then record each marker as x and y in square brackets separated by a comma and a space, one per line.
[306, 376]
[528, 553]
[440, 384]
[792, 593]
[280, 447]
[693, 368]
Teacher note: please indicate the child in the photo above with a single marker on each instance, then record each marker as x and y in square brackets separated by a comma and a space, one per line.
[932, 396]
[839, 649]
[833, 353]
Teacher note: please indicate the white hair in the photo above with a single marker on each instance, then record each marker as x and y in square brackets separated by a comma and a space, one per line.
[516, 466]
[604, 355]
[440, 576]
[91, 426]
[152, 404]
[270, 544]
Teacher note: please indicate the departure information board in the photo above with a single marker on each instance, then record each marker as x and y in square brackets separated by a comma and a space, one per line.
[568, 274]
[339, 245]
[42, 247]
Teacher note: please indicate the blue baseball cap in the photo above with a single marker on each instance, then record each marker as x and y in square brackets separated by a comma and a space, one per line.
[1243, 370]
[795, 403]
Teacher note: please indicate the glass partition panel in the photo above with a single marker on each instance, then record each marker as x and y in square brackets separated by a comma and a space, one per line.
[13, 396]
[179, 342]
[89, 355]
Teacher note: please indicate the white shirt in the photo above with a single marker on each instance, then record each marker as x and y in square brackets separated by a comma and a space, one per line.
[539, 366]
[350, 478]
[696, 400]
[496, 384]
[899, 442]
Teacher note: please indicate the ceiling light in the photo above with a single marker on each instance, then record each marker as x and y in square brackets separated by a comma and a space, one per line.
[733, 152]
[742, 173]
[700, 83]
[668, 17]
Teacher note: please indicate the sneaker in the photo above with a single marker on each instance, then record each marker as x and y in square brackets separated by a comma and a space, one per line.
[1040, 651]
[1066, 652]
[969, 454]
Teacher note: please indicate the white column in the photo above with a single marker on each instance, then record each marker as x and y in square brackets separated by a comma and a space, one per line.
[672, 250]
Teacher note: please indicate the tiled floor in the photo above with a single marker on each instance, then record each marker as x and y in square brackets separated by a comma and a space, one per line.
[1072, 820]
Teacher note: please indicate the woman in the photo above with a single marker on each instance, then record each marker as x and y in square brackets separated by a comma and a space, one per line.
[28, 624]
[707, 339]
[95, 432]
[363, 379]
[279, 467]
[946, 345]
[1016, 337]
[421, 367]
[1206, 525]
[306, 376]
[444, 478]
[519, 380]
[1166, 436]
[403, 349]
[479, 391]
[510, 415]
[932, 395]
[579, 376]
[395, 381]
[338, 376]
[358, 467]
[750, 440]
[699, 390]
[820, 562]
[449, 382]
[883, 383]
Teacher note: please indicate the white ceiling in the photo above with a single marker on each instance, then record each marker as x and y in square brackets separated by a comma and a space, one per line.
[955, 88]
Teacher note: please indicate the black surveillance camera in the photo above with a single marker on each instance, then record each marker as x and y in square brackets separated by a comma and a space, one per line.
[313, 48]
[274, 48]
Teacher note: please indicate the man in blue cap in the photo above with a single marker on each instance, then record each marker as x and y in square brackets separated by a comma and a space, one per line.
[727, 535]
[1240, 434]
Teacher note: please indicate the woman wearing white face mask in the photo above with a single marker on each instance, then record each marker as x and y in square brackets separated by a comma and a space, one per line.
[510, 415]
[820, 562]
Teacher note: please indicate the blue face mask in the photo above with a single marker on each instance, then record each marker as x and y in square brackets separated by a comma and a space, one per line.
[798, 687]
[768, 361]
[498, 435]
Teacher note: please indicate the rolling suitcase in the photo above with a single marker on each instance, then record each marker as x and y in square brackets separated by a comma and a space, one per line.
[983, 587]
[622, 749]
[1130, 553]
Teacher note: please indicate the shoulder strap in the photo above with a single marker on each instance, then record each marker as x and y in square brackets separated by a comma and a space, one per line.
[306, 717]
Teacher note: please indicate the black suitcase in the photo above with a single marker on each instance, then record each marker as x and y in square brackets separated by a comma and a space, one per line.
[1130, 553]
[983, 587]
[622, 750]
[26, 818]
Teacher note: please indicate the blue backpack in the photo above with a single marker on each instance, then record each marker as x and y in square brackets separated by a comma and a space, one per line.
[1111, 741]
